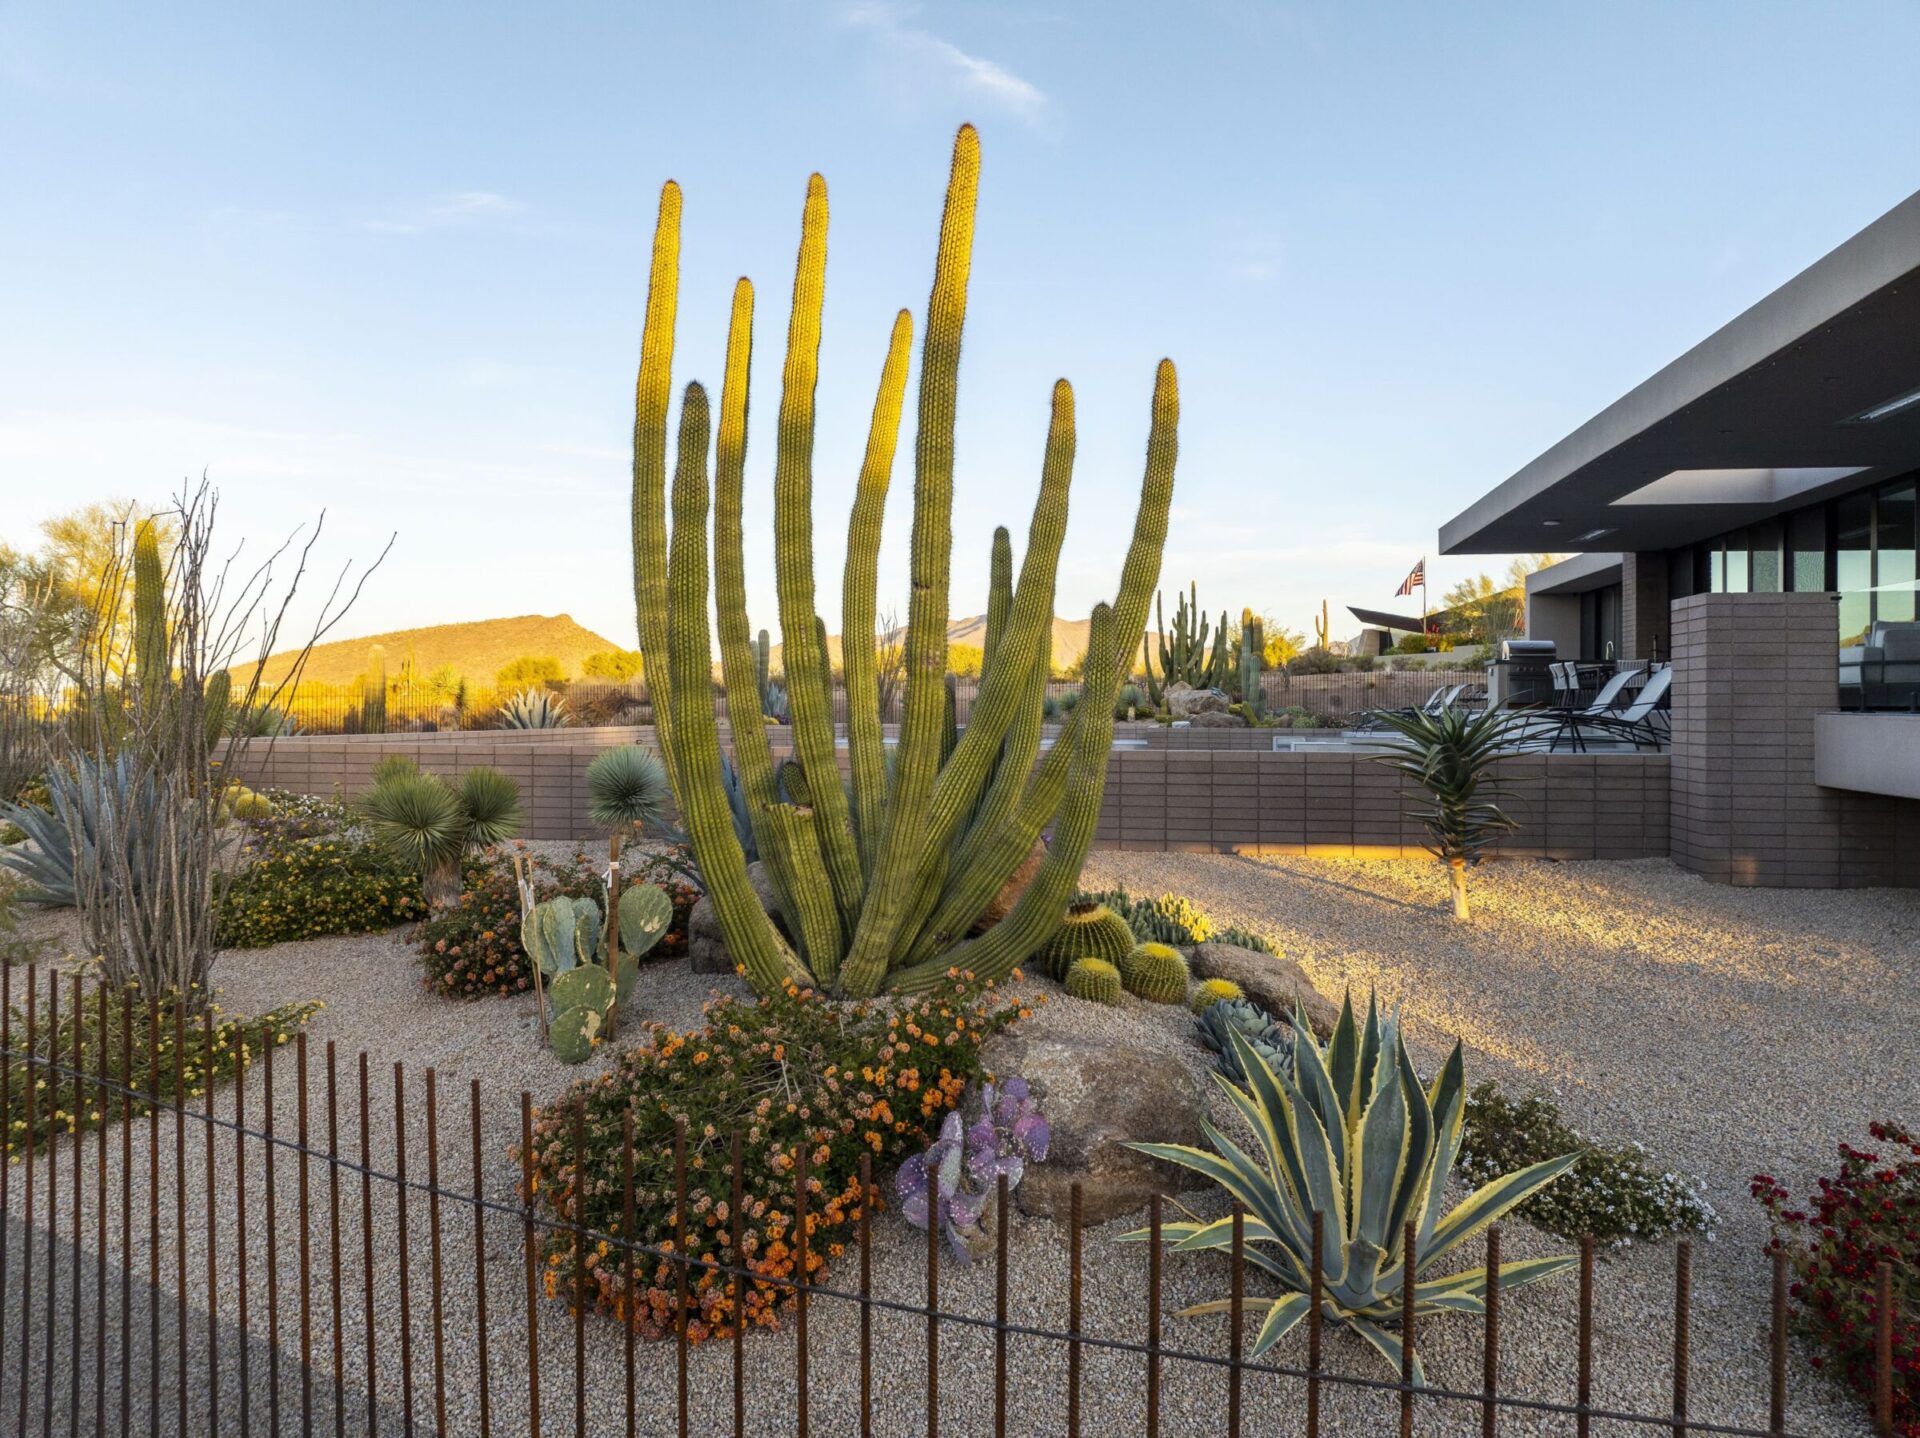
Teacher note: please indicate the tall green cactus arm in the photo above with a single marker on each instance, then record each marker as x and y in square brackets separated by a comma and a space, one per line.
[652, 393]
[152, 665]
[964, 776]
[866, 753]
[999, 596]
[751, 938]
[810, 899]
[1037, 912]
[809, 693]
[892, 887]
[741, 662]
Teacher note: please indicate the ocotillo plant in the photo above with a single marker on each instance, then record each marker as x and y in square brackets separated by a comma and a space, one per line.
[879, 882]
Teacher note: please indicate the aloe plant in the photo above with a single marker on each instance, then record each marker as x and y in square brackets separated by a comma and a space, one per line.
[1351, 1134]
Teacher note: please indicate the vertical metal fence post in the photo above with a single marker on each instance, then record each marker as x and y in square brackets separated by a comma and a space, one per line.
[272, 1196]
[403, 1241]
[151, 1097]
[1409, 1242]
[1883, 1354]
[630, 1294]
[577, 1282]
[306, 1245]
[933, 1326]
[1316, 1283]
[79, 1187]
[1584, 1392]
[1153, 1316]
[103, 1098]
[53, 1206]
[480, 1262]
[6, 1149]
[1001, 1220]
[366, 1250]
[1490, 1344]
[737, 1249]
[532, 1251]
[180, 1199]
[32, 1086]
[126, 1211]
[1682, 1336]
[333, 1242]
[213, 1229]
[1777, 1350]
[433, 1221]
[800, 1377]
[1237, 1320]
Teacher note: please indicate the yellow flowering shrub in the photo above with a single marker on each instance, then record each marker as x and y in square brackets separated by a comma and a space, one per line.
[786, 1071]
[311, 888]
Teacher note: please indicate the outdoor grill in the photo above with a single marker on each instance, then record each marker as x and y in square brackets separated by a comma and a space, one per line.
[1520, 675]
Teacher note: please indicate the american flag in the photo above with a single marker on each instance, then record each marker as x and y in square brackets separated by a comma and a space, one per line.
[1415, 580]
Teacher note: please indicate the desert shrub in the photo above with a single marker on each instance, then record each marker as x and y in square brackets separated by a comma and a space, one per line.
[1314, 661]
[472, 946]
[311, 888]
[13, 948]
[199, 1059]
[529, 669]
[791, 1069]
[292, 817]
[1613, 1192]
[1411, 644]
[621, 666]
[1868, 1215]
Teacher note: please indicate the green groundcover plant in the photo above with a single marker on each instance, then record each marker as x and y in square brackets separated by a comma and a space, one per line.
[1613, 1192]
[129, 1045]
[1866, 1215]
[793, 1069]
[311, 888]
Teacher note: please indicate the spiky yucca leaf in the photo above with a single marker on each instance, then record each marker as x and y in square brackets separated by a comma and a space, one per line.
[492, 804]
[417, 819]
[1351, 1134]
[627, 786]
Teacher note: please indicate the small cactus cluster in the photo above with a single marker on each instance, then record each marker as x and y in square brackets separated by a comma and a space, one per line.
[240, 802]
[584, 982]
[1185, 656]
[1156, 973]
[955, 1182]
[1095, 980]
[534, 709]
[1271, 1040]
[1089, 931]
[1214, 991]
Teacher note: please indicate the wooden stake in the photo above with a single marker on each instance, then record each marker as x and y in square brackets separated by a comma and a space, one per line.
[525, 885]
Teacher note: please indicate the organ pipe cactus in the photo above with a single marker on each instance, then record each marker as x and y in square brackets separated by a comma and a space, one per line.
[1253, 657]
[1185, 656]
[879, 882]
[1352, 1134]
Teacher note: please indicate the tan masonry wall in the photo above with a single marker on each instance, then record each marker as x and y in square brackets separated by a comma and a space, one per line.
[1332, 802]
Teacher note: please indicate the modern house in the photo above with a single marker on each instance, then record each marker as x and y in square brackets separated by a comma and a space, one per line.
[1748, 514]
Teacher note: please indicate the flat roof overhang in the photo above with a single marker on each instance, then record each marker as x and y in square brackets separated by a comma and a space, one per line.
[1758, 418]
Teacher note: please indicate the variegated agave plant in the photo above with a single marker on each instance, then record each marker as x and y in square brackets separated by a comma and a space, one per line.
[1351, 1134]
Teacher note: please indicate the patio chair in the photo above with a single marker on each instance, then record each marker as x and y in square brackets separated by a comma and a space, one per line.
[1434, 703]
[1605, 705]
[1644, 723]
[1883, 673]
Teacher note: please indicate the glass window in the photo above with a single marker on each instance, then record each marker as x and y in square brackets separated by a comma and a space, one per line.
[1716, 568]
[1893, 600]
[1853, 564]
[1807, 535]
[1763, 571]
[1736, 562]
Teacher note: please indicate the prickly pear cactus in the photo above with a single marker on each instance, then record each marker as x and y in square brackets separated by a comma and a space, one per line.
[646, 913]
[571, 1034]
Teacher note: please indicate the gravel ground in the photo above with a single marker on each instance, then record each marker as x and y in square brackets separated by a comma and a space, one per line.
[1648, 1001]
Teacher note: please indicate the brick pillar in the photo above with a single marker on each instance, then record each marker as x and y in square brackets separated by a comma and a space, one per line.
[1750, 672]
[1644, 629]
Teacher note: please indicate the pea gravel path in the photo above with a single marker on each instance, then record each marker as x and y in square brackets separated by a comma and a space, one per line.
[1727, 1030]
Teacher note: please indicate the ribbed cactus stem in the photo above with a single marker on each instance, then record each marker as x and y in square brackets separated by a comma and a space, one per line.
[652, 393]
[1037, 912]
[809, 691]
[866, 751]
[751, 938]
[743, 665]
[999, 596]
[152, 666]
[893, 884]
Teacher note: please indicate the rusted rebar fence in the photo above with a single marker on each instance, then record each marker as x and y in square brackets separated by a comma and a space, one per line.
[74, 1307]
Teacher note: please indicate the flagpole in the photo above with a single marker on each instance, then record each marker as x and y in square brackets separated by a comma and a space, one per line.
[1423, 598]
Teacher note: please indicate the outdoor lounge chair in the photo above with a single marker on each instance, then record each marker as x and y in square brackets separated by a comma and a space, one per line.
[1883, 673]
[1605, 705]
[1434, 703]
[1643, 723]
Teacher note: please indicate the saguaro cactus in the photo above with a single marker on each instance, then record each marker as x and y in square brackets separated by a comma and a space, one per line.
[878, 883]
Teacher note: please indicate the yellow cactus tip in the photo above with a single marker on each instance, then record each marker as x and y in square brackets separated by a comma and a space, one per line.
[816, 185]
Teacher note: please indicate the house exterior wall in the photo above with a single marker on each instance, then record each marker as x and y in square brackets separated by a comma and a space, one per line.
[1751, 672]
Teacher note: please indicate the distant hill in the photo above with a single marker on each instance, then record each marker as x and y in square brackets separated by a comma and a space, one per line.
[477, 649]
[1069, 638]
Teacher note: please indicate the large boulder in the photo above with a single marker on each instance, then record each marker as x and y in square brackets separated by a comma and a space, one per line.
[1272, 981]
[1098, 1096]
[1217, 719]
[706, 945]
[1186, 702]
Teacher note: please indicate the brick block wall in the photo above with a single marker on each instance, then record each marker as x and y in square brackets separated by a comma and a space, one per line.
[1750, 673]
[1316, 801]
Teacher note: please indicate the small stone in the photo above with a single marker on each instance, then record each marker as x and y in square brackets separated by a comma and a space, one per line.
[1272, 981]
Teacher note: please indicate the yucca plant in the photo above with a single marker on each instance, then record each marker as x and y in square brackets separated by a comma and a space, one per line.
[1452, 755]
[534, 709]
[627, 786]
[1351, 1134]
[430, 825]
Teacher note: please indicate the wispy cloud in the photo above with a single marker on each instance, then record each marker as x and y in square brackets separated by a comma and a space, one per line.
[892, 27]
[463, 207]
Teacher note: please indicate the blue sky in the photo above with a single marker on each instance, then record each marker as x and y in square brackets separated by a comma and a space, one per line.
[390, 260]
